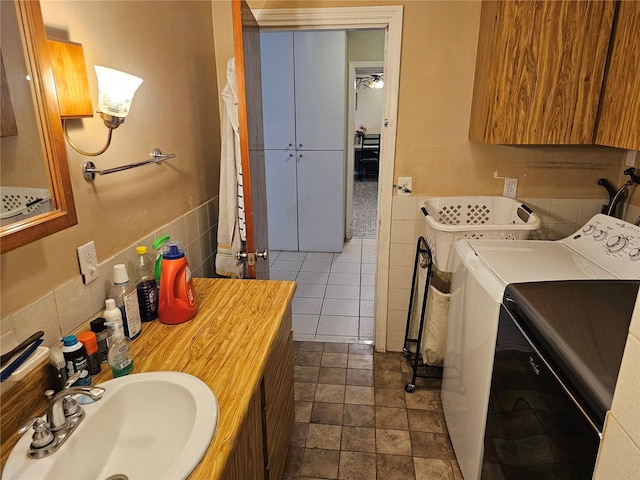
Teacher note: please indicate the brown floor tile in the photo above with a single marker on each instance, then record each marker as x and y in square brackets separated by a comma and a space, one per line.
[357, 466]
[332, 375]
[324, 436]
[426, 421]
[311, 346]
[431, 445]
[327, 413]
[304, 374]
[359, 416]
[393, 442]
[358, 439]
[294, 461]
[307, 358]
[336, 347]
[393, 418]
[356, 395]
[361, 349]
[395, 467]
[388, 379]
[334, 359]
[320, 463]
[388, 361]
[296, 345]
[299, 434]
[304, 391]
[303, 411]
[360, 377]
[330, 393]
[390, 397]
[432, 469]
[423, 400]
[364, 362]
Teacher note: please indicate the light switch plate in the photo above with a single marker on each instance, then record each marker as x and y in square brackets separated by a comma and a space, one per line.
[405, 185]
[88, 260]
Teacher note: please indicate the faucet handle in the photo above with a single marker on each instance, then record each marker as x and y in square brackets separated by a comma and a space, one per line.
[42, 435]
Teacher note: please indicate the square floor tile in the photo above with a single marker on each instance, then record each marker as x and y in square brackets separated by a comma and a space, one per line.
[366, 308]
[393, 442]
[336, 306]
[361, 377]
[286, 265]
[305, 392]
[336, 347]
[309, 306]
[361, 349]
[329, 393]
[367, 279]
[358, 439]
[305, 323]
[391, 418]
[309, 359]
[366, 328]
[346, 257]
[282, 275]
[310, 290]
[292, 256]
[299, 434]
[327, 413]
[390, 397]
[317, 267]
[433, 469]
[312, 277]
[395, 467]
[313, 346]
[330, 359]
[324, 436]
[431, 445]
[388, 379]
[293, 462]
[336, 278]
[345, 292]
[343, 267]
[337, 325]
[359, 416]
[363, 362]
[423, 400]
[318, 463]
[367, 292]
[356, 395]
[305, 374]
[357, 466]
[303, 411]
[332, 375]
[319, 257]
[426, 421]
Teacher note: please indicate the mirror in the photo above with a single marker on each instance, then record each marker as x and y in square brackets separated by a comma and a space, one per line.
[40, 165]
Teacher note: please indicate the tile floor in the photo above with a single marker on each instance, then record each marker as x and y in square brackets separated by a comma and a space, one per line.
[334, 296]
[354, 421]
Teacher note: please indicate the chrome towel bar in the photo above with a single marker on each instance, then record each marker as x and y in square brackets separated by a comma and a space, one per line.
[89, 169]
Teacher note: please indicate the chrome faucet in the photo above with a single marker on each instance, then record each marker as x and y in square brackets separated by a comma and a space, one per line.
[63, 416]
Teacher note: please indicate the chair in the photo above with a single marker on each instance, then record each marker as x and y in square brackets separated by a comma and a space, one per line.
[368, 156]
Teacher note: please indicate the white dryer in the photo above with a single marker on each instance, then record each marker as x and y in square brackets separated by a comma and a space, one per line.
[605, 248]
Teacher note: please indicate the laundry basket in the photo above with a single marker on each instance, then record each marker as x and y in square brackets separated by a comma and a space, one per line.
[19, 203]
[449, 219]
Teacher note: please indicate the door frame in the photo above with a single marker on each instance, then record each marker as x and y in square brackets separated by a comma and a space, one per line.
[347, 18]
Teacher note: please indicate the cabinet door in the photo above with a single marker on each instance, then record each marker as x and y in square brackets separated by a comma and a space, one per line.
[278, 109]
[320, 85]
[320, 201]
[282, 202]
[539, 71]
[619, 122]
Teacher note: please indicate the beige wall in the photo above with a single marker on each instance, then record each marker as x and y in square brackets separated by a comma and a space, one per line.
[170, 45]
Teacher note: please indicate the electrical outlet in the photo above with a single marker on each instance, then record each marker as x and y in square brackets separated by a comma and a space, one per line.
[88, 260]
[404, 185]
[510, 187]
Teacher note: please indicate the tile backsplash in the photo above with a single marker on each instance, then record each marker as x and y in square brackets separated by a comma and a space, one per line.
[73, 304]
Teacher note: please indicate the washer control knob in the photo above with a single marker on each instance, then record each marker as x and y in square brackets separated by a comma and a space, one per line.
[616, 243]
[634, 254]
[588, 229]
[599, 235]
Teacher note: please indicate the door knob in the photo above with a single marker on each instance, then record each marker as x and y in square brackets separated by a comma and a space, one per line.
[251, 257]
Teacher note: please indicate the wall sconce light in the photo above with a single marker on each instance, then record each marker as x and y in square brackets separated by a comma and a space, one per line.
[115, 90]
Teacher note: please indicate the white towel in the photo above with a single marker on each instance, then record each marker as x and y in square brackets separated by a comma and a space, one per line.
[231, 226]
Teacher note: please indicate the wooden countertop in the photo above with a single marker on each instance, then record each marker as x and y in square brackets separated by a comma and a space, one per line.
[226, 345]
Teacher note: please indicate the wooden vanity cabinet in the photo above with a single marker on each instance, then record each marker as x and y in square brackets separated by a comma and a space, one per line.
[263, 441]
[539, 71]
[619, 120]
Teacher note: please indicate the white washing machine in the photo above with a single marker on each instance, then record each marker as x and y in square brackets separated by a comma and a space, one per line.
[605, 248]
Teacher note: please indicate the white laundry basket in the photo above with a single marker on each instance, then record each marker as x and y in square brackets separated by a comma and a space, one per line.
[19, 203]
[450, 219]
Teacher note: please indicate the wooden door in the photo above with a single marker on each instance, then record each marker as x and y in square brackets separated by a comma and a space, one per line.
[246, 39]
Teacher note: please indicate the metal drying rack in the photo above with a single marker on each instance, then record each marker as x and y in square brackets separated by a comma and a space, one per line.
[418, 367]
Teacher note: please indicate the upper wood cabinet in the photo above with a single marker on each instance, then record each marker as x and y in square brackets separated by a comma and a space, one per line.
[619, 121]
[539, 71]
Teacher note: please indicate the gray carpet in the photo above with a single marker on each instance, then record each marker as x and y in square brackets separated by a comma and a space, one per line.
[365, 202]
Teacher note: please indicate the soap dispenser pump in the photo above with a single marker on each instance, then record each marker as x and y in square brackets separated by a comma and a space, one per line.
[120, 355]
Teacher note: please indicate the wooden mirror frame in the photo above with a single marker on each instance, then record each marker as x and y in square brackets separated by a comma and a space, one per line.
[63, 214]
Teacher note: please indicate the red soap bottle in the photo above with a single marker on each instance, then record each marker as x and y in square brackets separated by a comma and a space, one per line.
[177, 296]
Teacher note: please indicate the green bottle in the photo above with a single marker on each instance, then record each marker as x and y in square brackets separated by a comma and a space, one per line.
[120, 356]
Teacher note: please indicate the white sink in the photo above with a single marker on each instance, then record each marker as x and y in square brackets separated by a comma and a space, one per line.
[155, 425]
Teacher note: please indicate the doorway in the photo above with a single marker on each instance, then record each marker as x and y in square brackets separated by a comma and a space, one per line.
[390, 19]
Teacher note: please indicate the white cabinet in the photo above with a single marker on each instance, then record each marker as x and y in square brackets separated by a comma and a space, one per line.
[303, 90]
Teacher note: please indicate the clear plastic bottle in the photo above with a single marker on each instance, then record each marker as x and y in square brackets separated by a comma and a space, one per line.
[146, 285]
[125, 296]
[120, 356]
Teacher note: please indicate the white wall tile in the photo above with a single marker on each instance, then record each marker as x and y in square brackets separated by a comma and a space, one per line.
[39, 315]
[74, 304]
[403, 231]
[404, 207]
[564, 210]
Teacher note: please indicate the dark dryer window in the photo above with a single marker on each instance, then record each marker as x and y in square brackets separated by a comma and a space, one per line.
[534, 430]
